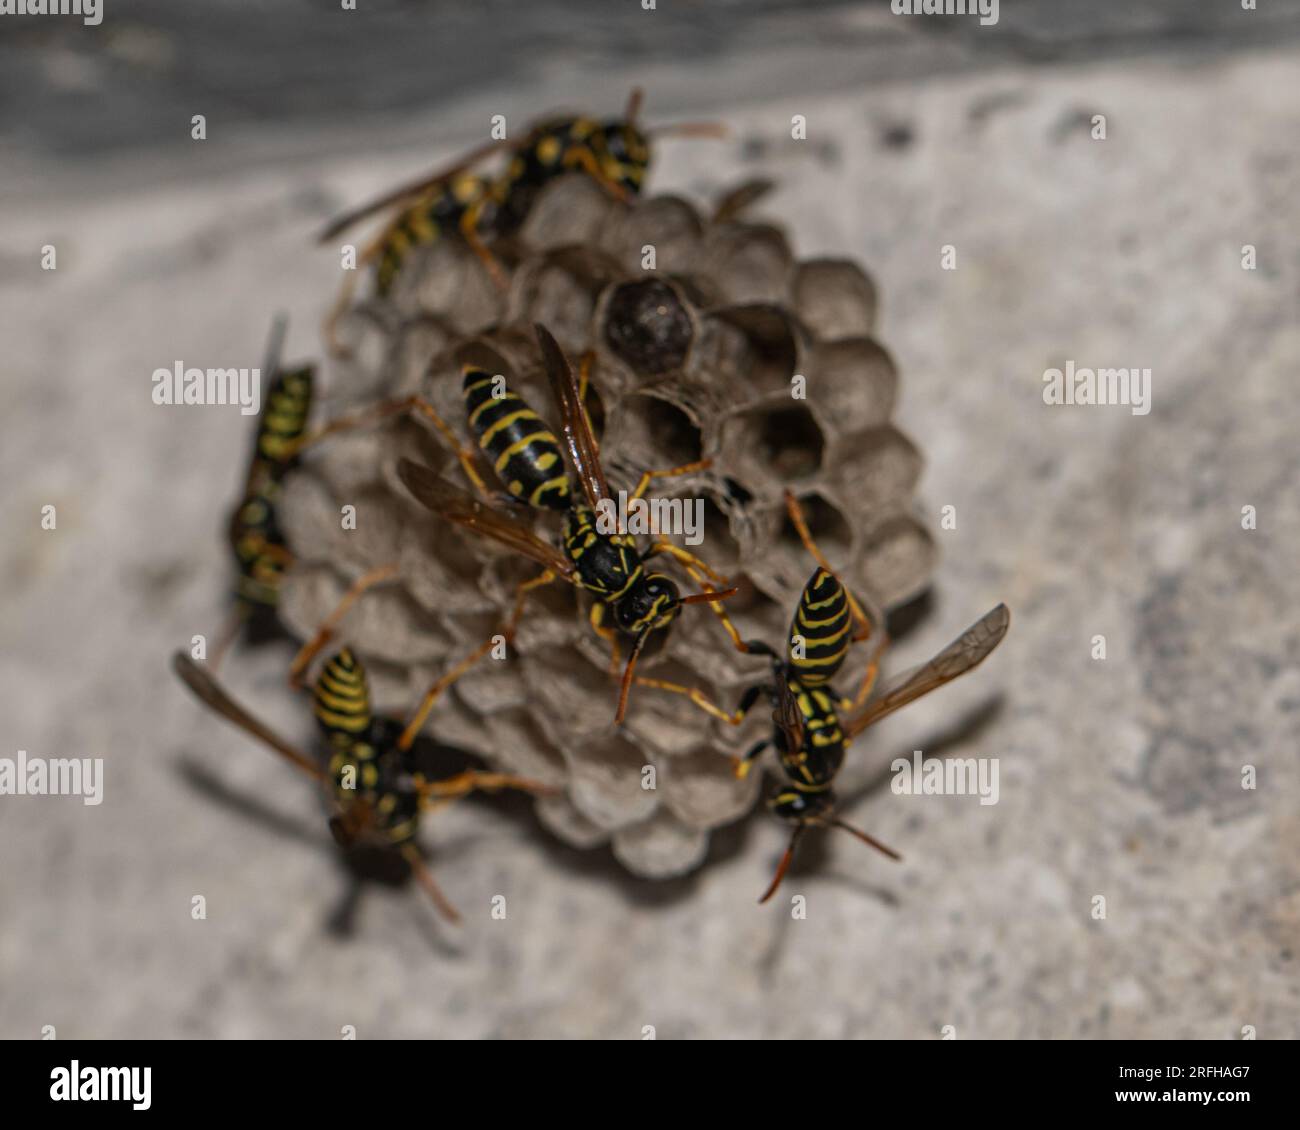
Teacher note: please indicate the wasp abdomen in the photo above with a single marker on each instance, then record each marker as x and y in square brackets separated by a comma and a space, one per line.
[824, 625]
[254, 533]
[523, 450]
[341, 699]
[285, 419]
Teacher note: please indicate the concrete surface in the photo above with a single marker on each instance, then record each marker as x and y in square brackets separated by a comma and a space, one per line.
[1119, 777]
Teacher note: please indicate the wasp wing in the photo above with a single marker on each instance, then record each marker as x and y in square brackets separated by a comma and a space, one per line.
[275, 346]
[967, 651]
[456, 506]
[201, 681]
[787, 716]
[577, 428]
[270, 376]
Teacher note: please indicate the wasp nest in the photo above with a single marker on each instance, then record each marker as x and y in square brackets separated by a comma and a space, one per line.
[710, 340]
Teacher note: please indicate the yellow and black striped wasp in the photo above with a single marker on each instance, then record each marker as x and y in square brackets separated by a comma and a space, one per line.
[254, 534]
[526, 454]
[285, 435]
[456, 201]
[377, 793]
[808, 734]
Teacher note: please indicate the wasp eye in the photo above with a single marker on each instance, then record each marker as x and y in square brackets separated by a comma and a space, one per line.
[662, 587]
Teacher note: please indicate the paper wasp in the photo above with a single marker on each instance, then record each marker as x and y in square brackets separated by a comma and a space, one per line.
[377, 794]
[254, 535]
[456, 201]
[808, 734]
[607, 565]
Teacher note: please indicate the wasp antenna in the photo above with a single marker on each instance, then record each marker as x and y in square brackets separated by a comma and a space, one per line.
[784, 865]
[425, 878]
[634, 100]
[708, 596]
[837, 823]
[692, 129]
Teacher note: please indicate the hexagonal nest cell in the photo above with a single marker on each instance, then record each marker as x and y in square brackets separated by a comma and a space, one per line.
[648, 327]
[693, 361]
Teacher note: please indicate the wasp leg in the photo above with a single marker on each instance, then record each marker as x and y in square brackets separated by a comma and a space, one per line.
[469, 222]
[685, 469]
[608, 634]
[688, 560]
[464, 455]
[730, 628]
[325, 632]
[521, 594]
[382, 411]
[868, 680]
[587, 160]
[329, 328]
[805, 535]
[507, 632]
[436, 793]
[703, 701]
[743, 765]
[413, 727]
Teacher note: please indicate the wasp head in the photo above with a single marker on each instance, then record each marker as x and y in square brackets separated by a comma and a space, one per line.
[800, 807]
[652, 603]
[624, 152]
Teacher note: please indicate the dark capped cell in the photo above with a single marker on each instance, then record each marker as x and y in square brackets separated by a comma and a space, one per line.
[648, 327]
